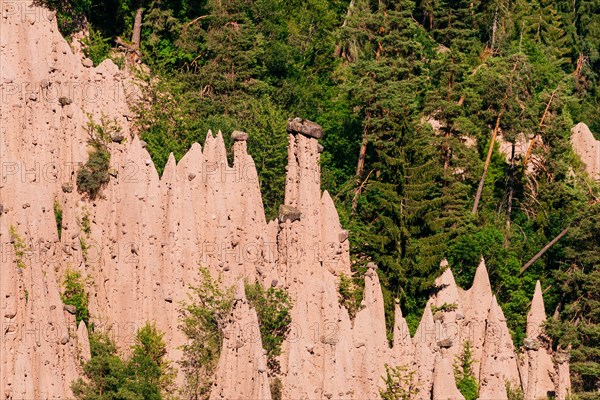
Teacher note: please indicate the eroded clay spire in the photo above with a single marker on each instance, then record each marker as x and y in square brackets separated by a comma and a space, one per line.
[83, 342]
[537, 313]
[242, 367]
[169, 175]
[499, 360]
[221, 152]
[444, 383]
[402, 349]
[538, 359]
[445, 283]
[481, 291]
[424, 342]
[478, 300]
[209, 150]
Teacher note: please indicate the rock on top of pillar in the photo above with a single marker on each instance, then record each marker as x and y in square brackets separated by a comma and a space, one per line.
[304, 127]
[239, 136]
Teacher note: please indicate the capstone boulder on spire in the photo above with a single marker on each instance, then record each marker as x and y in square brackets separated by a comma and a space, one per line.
[304, 127]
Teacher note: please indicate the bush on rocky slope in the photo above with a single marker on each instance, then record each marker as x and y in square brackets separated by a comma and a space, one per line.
[399, 384]
[465, 380]
[146, 375]
[74, 294]
[203, 320]
[94, 174]
[272, 307]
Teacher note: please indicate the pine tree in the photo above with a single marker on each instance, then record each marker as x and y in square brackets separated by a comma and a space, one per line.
[540, 22]
[153, 375]
[399, 177]
[455, 24]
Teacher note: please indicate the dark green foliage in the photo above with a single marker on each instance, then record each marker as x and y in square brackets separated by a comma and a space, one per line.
[146, 375]
[74, 294]
[70, 14]
[96, 46]
[399, 179]
[465, 380]
[272, 307]
[58, 215]
[203, 320]
[94, 174]
[454, 24]
[351, 295]
[399, 384]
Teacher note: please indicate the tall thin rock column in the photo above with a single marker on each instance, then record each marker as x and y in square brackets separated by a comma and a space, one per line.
[538, 358]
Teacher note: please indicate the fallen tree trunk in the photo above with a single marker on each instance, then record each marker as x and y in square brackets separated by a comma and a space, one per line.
[544, 249]
[487, 161]
[493, 141]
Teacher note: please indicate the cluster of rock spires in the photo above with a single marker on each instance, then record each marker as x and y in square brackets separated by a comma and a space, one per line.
[150, 234]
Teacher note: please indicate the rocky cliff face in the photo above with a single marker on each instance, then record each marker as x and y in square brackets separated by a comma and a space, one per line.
[148, 235]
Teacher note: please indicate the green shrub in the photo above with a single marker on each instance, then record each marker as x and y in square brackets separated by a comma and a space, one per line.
[203, 320]
[273, 310]
[515, 393]
[146, 375]
[84, 248]
[399, 384]
[350, 295]
[96, 46]
[58, 215]
[444, 307]
[94, 174]
[70, 14]
[85, 223]
[151, 372]
[75, 295]
[100, 134]
[465, 380]
[18, 246]
[86, 228]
